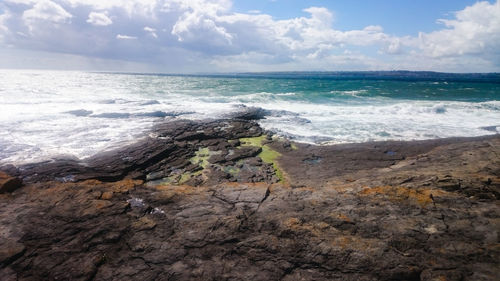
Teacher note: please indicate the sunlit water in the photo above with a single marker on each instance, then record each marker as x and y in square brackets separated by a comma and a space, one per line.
[46, 114]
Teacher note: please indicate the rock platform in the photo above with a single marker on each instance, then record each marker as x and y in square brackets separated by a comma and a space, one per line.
[225, 200]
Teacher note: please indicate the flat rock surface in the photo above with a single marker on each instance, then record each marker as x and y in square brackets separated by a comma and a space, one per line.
[202, 201]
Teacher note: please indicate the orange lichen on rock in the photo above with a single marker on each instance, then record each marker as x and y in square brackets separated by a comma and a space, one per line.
[176, 189]
[344, 241]
[174, 192]
[125, 185]
[421, 196]
[318, 229]
[94, 206]
[340, 216]
[249, 184]
[107, 195]
[292, 222]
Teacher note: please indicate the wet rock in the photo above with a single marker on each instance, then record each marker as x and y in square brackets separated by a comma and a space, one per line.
[243, 152]
[170, 146]
[490, 128]
[249, 113]
[11, 170]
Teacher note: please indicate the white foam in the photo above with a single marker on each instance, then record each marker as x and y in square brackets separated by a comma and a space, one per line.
[353, 93]
[37, 123]
[403, 120]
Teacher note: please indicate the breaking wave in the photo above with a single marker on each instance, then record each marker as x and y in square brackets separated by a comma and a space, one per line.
[91, 112]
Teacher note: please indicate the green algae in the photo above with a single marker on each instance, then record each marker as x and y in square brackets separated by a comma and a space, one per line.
[166, 181]
[253, 141]
[201, 157]
[180, 178]
[268, 155]
[185, 177]
[232, 170]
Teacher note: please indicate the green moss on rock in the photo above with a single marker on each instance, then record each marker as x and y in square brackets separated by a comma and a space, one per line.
[232, 170]
[201, 157]
[268, 155]
[253, 141]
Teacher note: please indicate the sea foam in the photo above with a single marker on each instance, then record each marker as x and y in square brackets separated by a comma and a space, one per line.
[44, 114]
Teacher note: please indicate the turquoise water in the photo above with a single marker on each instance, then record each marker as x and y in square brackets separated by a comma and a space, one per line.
[353, 91]
[46, 114]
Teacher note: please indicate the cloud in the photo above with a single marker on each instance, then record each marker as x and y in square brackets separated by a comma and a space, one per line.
[198, 21]
[99, 19]
[321, 18]
[47, 11]
[131, 7]
[207, 35]
[474, 31]
[151, 31]
[15, 58]
[26, 2]
[394, 46]
[125, 37]
[3, 27]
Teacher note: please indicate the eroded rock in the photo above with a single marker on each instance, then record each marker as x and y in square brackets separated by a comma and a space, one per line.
[352, 212]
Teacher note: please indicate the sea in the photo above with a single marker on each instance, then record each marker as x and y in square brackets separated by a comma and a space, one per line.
[47, 115]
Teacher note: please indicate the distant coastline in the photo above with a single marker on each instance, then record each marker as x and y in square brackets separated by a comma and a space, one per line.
[400, 75]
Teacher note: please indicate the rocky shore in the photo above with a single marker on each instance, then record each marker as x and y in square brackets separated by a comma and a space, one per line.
[225, 200]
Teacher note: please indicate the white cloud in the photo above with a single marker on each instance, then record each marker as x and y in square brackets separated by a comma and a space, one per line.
[151, 31]
[209, 34]
[394, 46]
[48, 11]
[3, 26]
[321, 18]
[125, 37]
[198, 21]
[131, 7]
[25, 2]
[99, 19]
[475, 31]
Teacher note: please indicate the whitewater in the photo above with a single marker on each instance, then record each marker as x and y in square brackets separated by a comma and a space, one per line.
[53, 114]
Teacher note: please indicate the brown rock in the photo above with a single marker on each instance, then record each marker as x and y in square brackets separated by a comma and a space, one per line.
[10, 250]
[107, 195]
[8, 183]
[143, 223]
[375, 211]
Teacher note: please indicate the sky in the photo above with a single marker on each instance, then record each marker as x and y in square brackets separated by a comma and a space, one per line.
[181, 36]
